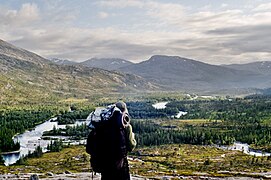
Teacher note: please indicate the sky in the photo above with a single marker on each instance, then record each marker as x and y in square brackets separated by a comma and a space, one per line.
[211, 31]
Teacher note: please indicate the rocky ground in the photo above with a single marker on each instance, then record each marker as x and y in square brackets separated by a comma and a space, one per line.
[51, 176]
[88, 176]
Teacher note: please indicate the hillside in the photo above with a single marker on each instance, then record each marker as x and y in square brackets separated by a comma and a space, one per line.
[25, 76]
[107, 63]
[185, 74]
[11, 51]
[263, 67]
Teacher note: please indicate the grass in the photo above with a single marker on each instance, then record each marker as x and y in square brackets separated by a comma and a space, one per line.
[72, 159]
[170, 160]
[191, 159]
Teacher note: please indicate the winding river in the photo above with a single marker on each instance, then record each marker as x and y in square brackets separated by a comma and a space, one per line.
[31, 139]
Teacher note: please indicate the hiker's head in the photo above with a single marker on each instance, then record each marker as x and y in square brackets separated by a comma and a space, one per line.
[122, 106]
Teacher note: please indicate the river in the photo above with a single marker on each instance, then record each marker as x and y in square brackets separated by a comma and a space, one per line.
[244, 147]
[160, 105]
[31, 139]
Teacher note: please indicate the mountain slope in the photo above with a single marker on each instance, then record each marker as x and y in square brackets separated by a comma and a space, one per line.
[263, 67]
[106, 63]
[11, 51]
[25, 76]
[180, 73]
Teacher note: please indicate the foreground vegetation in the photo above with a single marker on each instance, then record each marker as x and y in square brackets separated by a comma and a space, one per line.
[172, 160]
[166, 145]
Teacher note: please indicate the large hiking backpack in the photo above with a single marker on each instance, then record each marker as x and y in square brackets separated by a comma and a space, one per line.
[107, 142]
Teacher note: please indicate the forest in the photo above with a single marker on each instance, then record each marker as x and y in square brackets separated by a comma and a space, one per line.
[224, 121]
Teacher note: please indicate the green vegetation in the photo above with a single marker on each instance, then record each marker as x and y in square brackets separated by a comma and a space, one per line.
[76, 132]
[1, 160]
[186, 159]
[242, 119]
[55, 146]
[149, 133]
[166, 145]
[213, 121]
[13, 121]
[71, 117]
[73, 159]
[173, 160]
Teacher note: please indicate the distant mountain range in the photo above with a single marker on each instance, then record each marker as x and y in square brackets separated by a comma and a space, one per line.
[178, 73]
[107, 63]
[24, 74]
[263, 67]
[102, 63]
[62, 61]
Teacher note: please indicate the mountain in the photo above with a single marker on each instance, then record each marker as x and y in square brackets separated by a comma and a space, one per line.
[11, 51]
[25, 76]
[107, 63]
[62, 61]
[262, 67]
[178, 73]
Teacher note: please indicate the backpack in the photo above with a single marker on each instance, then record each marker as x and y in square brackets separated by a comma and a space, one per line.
[107, 142]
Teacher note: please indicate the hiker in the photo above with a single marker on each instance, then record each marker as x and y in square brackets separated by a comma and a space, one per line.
[110, 141]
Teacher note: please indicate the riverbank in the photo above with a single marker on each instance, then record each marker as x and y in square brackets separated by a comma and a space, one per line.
[11, 152]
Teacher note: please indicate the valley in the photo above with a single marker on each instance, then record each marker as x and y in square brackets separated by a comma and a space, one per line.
[185, 114]
[167, 146]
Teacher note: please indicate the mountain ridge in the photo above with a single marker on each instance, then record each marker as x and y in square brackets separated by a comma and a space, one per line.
[182, 73]
[25, 76]
[106, 63]
[10, 50]
[261, 67]
[160, 72]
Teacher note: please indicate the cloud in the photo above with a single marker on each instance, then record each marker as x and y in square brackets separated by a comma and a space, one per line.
[140, 30]
[263, 7]
[103, 15]
[25, 15]
[166, 12]
[246, 39]
[121, 3]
